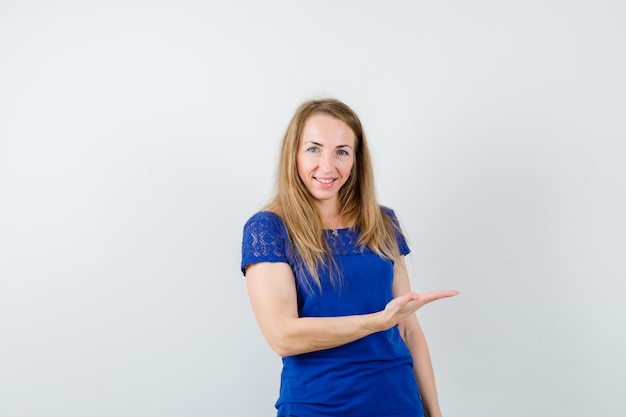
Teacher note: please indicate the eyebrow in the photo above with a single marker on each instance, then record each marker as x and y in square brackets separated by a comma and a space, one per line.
[320, 145]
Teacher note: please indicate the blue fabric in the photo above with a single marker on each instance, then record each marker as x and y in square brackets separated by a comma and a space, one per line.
[372, 376]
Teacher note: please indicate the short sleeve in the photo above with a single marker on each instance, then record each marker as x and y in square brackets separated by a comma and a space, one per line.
[264, 240]
[402, 244]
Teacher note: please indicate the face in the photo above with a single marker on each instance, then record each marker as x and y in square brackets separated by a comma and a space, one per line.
[325, 157]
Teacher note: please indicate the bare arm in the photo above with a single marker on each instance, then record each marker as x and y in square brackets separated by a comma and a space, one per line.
[415, 340]
[272, 292]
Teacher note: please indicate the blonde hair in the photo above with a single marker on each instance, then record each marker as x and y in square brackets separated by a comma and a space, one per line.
[358, 205]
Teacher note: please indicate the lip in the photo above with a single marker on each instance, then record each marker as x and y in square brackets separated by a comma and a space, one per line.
[325, 182]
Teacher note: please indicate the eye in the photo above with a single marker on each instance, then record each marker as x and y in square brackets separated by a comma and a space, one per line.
[342, 152]
[312, 149]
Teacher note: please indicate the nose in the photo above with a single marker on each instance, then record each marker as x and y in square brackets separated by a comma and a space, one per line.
[327, 162]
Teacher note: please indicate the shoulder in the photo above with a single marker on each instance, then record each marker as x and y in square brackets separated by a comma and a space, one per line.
[265, 239]
[389, 212]
[397, 230]
[264, 222]
[265, 218]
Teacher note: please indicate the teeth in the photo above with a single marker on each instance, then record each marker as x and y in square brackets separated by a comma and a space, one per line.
[325, 181]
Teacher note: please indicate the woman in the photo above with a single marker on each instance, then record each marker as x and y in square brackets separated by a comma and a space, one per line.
[326, 276]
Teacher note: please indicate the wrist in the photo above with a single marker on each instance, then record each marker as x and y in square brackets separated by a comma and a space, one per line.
[378, 322]
[434, 413]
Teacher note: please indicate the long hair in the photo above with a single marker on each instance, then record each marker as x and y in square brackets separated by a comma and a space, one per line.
[357, 198]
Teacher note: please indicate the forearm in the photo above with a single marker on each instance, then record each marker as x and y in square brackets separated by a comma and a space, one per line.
[308, 334]
[423, 369]
[272, 292]
[426, 381]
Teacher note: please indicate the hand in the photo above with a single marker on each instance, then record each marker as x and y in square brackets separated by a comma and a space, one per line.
[401, 307]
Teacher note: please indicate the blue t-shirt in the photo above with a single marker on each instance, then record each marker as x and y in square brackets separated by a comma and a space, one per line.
[372, 376]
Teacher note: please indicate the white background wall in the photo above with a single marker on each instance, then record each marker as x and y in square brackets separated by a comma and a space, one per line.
[136, 137]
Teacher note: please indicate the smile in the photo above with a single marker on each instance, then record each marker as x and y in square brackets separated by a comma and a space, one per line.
[325, 180]
[325, 183]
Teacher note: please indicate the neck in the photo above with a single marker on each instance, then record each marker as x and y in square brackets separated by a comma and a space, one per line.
[329, 213]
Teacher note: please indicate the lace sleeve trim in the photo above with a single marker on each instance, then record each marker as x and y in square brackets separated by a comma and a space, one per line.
[264, 240]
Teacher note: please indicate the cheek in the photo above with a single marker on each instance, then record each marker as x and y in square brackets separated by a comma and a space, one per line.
[349, 169]
[301, 167]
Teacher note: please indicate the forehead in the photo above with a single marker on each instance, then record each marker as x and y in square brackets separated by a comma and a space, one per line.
[322, 127]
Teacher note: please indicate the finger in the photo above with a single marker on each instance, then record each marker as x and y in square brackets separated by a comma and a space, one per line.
[437, 295]
[408, 297]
